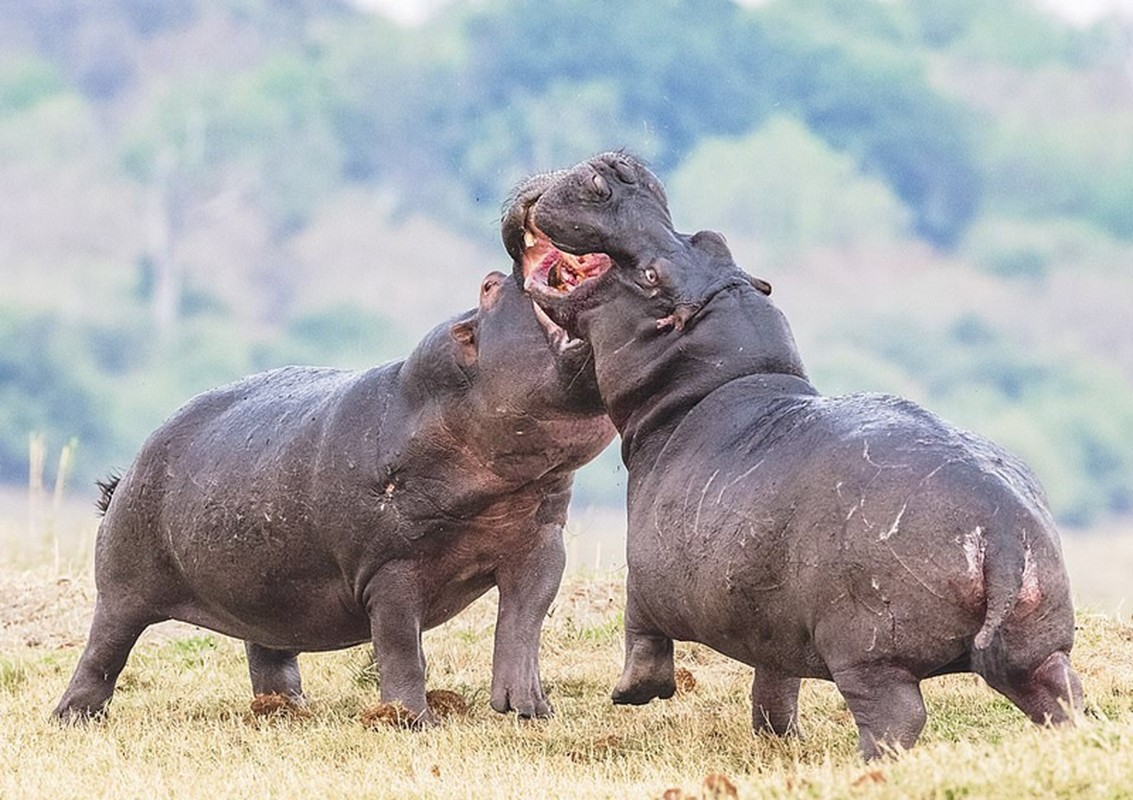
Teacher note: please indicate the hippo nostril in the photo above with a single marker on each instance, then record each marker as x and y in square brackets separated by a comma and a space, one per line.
[625, 171]
[601, 188]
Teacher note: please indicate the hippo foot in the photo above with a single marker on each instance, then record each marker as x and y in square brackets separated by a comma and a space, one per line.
[516, 687]
[78, 715]
[887, 706]
[526, 704]
[638, 694]
[648, 672]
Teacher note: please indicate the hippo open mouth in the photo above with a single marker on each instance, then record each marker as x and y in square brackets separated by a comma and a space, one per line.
[550, 272]
[550, 269]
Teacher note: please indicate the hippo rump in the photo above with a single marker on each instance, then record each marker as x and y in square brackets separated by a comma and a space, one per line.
[309, 509]
[858, 539]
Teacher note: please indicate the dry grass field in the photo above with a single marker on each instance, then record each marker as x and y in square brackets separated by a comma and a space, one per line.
[181, 723]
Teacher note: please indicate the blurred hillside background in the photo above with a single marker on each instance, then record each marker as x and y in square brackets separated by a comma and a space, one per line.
[941, 193]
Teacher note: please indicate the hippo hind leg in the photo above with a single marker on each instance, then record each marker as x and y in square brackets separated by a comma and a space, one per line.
[113, 633]
[649, 671]
[274, 671]
[886, 702]
[1048, 694]
[775, 703]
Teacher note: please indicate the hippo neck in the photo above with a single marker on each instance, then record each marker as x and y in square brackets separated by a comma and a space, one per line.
[738, 334]
[507, 442]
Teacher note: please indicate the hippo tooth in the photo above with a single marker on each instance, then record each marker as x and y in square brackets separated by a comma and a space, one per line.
[528, 239]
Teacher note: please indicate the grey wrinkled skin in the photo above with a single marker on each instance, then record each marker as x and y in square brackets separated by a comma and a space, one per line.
[310, 509]
[859, 539]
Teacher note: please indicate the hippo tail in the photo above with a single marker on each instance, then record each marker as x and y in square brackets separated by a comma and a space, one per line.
[106, 489]
[1004, 564]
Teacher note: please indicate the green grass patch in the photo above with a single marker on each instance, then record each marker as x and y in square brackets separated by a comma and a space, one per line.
[12, 673]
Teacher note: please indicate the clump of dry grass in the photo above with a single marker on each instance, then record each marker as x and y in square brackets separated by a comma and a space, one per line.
[178, 726]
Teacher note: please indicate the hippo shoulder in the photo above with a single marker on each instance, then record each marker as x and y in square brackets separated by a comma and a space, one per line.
[871, 411]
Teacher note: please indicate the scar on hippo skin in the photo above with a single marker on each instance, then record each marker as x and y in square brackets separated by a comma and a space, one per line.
[861, 539]
[315, 509]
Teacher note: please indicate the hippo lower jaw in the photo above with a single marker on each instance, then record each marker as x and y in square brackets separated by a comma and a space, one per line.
[561, 341]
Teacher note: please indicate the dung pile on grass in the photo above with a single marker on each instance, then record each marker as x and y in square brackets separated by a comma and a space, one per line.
[277, 706]
[443, 703]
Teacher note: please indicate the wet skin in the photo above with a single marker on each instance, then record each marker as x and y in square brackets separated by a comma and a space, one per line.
[859, 539]
[314, 509]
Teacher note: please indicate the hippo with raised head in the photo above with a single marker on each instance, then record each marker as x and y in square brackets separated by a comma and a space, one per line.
[858, 539]
[312, 509]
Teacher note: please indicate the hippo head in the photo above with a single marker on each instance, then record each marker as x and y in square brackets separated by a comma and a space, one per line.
[565, 230]
[526, 394]
[595, 248]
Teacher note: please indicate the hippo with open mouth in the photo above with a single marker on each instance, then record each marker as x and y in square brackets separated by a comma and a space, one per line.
[858, 539]
[314, 509]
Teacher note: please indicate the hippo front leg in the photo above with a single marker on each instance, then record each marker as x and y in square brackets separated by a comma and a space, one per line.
[395, 610]
[648, 670]
[274, 671]
[886, 702]
[527, 586]
[775, 703]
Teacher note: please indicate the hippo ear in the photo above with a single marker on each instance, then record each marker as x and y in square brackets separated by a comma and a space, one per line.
[759, 283]
[464, 334]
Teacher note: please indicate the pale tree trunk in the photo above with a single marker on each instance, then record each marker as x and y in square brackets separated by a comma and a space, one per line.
[167, 274]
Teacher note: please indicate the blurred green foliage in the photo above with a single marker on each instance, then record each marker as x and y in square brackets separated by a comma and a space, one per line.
[1070, 418]
[751, 184]
[801, 124]
[24, 84]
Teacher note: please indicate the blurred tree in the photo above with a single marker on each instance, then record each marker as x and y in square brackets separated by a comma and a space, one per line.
[1016, 32]
[1053, 165]
[678, 65]
[26, 83]
[344, 336]
[686, 71]
[48, 385]
[787, 188]
[876, 103]
[1070, 418]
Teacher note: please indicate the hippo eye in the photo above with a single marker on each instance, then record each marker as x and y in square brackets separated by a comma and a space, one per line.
[649, 276]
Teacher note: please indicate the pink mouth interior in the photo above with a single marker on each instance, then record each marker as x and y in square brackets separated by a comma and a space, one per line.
[550, 268]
